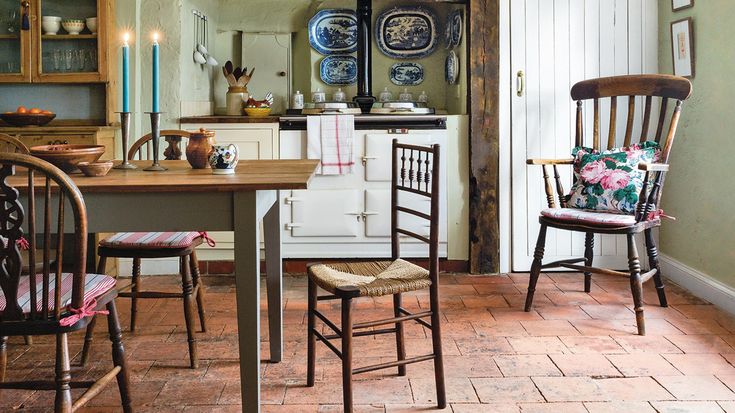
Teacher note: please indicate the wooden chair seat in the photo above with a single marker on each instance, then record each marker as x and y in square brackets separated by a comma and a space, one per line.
[373, 279]
[153, 240]
[95, 285]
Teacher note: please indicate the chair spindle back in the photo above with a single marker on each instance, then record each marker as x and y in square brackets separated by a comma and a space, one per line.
[11, 144]
[54, 187]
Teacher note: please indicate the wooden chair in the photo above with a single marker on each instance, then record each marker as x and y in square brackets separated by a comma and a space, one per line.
[158, 245]
[58, 303]
[646, 217]
[348, 281]
[11, 144]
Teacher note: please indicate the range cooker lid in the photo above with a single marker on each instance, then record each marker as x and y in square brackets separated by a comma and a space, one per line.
[331, 108]
[401, 108]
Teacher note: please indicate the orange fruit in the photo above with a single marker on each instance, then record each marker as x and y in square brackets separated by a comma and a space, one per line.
[21, 109]
[47, 112]
[35, 111]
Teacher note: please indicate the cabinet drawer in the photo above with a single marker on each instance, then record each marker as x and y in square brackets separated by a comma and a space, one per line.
[37, 140]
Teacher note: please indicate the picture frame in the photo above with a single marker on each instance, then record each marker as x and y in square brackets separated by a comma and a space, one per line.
[682, 47]
[677, 5]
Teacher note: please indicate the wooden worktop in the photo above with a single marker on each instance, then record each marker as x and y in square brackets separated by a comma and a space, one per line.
[228, 119]
[250, 175]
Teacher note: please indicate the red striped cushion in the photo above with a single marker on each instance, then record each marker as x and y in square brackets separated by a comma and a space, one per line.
[151, 240]
[95, 286]
[588, 217]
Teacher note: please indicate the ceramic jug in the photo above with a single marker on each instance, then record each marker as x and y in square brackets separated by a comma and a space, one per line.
[199, 147]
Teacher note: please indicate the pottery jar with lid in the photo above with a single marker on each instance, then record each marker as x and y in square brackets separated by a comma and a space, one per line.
[236, 95]
[199, 147]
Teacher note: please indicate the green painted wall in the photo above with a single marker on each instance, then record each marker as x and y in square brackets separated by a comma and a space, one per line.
[698, 191]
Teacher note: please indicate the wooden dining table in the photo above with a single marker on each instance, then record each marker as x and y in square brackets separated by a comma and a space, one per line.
[186, 199]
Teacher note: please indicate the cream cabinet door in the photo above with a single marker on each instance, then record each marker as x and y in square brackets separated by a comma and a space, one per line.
[325, 213]
[378, 213]
[253, 143]
[378, 153]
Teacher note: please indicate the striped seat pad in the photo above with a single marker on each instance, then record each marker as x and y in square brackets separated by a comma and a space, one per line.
[95, 286]
[588, 217]
[151, 240]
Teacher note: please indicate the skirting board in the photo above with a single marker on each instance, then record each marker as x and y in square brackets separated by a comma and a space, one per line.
[699, 283]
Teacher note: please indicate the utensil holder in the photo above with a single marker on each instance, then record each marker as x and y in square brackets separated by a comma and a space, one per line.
[125, 127]
[155, 138]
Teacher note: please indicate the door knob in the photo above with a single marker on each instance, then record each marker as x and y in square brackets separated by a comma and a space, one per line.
[282, 74]
[520, 83]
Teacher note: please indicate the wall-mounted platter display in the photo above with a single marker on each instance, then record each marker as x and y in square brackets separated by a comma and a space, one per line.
[451, 68]
[407, 32]
[407, 74]
[453, 35]
[338, 70]
[333, 31]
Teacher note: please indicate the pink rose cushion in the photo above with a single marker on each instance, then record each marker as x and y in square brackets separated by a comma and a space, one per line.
[610, 181]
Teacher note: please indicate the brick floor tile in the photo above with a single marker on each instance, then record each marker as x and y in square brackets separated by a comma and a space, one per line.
[549, 328]
[647, 344]
[608, 389]
[412, 408]
[641, 364]
[681, 406]
[728, 379]
[567, 312]
[591, 344]
[608, 311]
[518, 301]
[176, 370]
[395, 390]
[499, 328]
[514, 314]
[327, 392]
[700, 343]
[358, 408]
[728, 407]
[689, 326]
[595, 365]
[526, 365]
[459, 390]
[193, 393]
[456, 367]
[537, 345]
[458, 330]
[511, 389]
[696, 387]
[458, 289]
[498, 289]
[552, 408]
[486, 408]
[570, 298]
[489, 345]
[700, 364]
[564, 389]
[619, 407]
[484, 301]
[623, 327]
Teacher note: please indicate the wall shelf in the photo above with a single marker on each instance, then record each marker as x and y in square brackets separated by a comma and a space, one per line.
[9, 36]
[68, 36]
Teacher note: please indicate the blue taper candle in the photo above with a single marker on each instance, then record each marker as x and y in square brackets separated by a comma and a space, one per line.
[156, 77]
[125, 74]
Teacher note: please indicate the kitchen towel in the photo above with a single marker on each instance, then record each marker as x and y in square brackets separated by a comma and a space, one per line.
[331, 138]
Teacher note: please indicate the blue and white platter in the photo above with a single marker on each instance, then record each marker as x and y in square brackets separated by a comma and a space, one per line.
[407, 32]
[333, 31]
[453, 35]
[407, 74]
[338, 70]
[451, 68]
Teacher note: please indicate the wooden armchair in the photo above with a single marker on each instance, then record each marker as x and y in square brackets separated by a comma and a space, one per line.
[11, 144]
[50, 301]
[141, 149]
[646, 217]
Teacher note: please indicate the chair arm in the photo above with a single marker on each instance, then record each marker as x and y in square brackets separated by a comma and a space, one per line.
[653, 167]
[550, 161]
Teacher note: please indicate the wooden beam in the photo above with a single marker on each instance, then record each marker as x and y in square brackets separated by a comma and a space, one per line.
[484, 68]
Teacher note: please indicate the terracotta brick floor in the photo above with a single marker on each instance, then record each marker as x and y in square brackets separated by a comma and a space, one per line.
[575, 352]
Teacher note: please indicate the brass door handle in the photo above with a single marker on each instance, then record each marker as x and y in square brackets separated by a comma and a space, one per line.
[520, 83]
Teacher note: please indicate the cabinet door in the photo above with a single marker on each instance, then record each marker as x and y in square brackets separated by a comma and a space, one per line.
[378, 213]
[14, 44]
[325, 213]
[274, 72]
[253, 143]
[378, 153]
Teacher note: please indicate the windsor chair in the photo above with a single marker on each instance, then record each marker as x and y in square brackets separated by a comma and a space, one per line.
[349, 281]
[647, 216]
[52, 302]
[138, 246]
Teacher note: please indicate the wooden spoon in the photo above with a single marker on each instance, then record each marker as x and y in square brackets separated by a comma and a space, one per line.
[228, 67]
[237, 73]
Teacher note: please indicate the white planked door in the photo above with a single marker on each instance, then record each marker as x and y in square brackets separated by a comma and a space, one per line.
[556, 43]
[270, 54]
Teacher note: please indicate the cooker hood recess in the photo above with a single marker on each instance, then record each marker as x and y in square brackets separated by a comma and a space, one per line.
[364, 98]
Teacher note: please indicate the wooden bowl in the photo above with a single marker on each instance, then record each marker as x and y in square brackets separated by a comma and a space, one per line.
[27, 119]
[95, 168]
[66, 157]
[257, 112]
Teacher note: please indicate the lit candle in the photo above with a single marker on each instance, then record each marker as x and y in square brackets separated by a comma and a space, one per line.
[154, 87]
[125, 74]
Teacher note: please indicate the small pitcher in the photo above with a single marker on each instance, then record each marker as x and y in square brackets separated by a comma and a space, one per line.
[199, 147]
[223, 159]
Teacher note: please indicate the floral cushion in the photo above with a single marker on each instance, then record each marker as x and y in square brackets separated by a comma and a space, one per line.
[610, 181]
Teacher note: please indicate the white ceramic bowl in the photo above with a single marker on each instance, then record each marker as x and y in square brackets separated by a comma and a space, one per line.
[51, 25]
[73, 26]
[92, 24]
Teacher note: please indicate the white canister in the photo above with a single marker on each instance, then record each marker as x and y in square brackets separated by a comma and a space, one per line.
[235, 98]
[339, 96]
[385, 95]
[318, 96]
[297, 100]
[405, 96]
[423, 97]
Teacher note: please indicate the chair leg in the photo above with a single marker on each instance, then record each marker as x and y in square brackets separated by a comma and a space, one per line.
[88, 338]
[62, 402]
[436, 341]
[188, 290]
[589, 251]
[118, 356]
[196, 277]
[636, 286]
[310, 337]
[400, 335]
[653, 261]
[135, 291]
[347, 354]
[3, 357]
[538, 256]
[28, 340]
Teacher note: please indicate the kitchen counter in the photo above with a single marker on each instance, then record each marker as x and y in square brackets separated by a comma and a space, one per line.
[228, 119]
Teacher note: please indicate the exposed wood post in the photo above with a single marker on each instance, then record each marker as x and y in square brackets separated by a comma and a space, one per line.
[484, 67]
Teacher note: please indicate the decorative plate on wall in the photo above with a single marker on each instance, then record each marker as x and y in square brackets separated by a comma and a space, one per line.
[454, 28]
[451, 68]
[407, 32]
[407, 74]
[333, 31]
[338, 70]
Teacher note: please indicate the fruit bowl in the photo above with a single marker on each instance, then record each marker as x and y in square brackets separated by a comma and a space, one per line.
[93, 169]
[66, 157]
[257, 112]
[27, 119]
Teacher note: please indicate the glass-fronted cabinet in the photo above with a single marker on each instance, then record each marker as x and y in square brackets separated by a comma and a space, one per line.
[53, 41]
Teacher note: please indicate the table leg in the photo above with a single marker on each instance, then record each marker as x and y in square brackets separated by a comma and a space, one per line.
[247, 281]
[274, 279]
